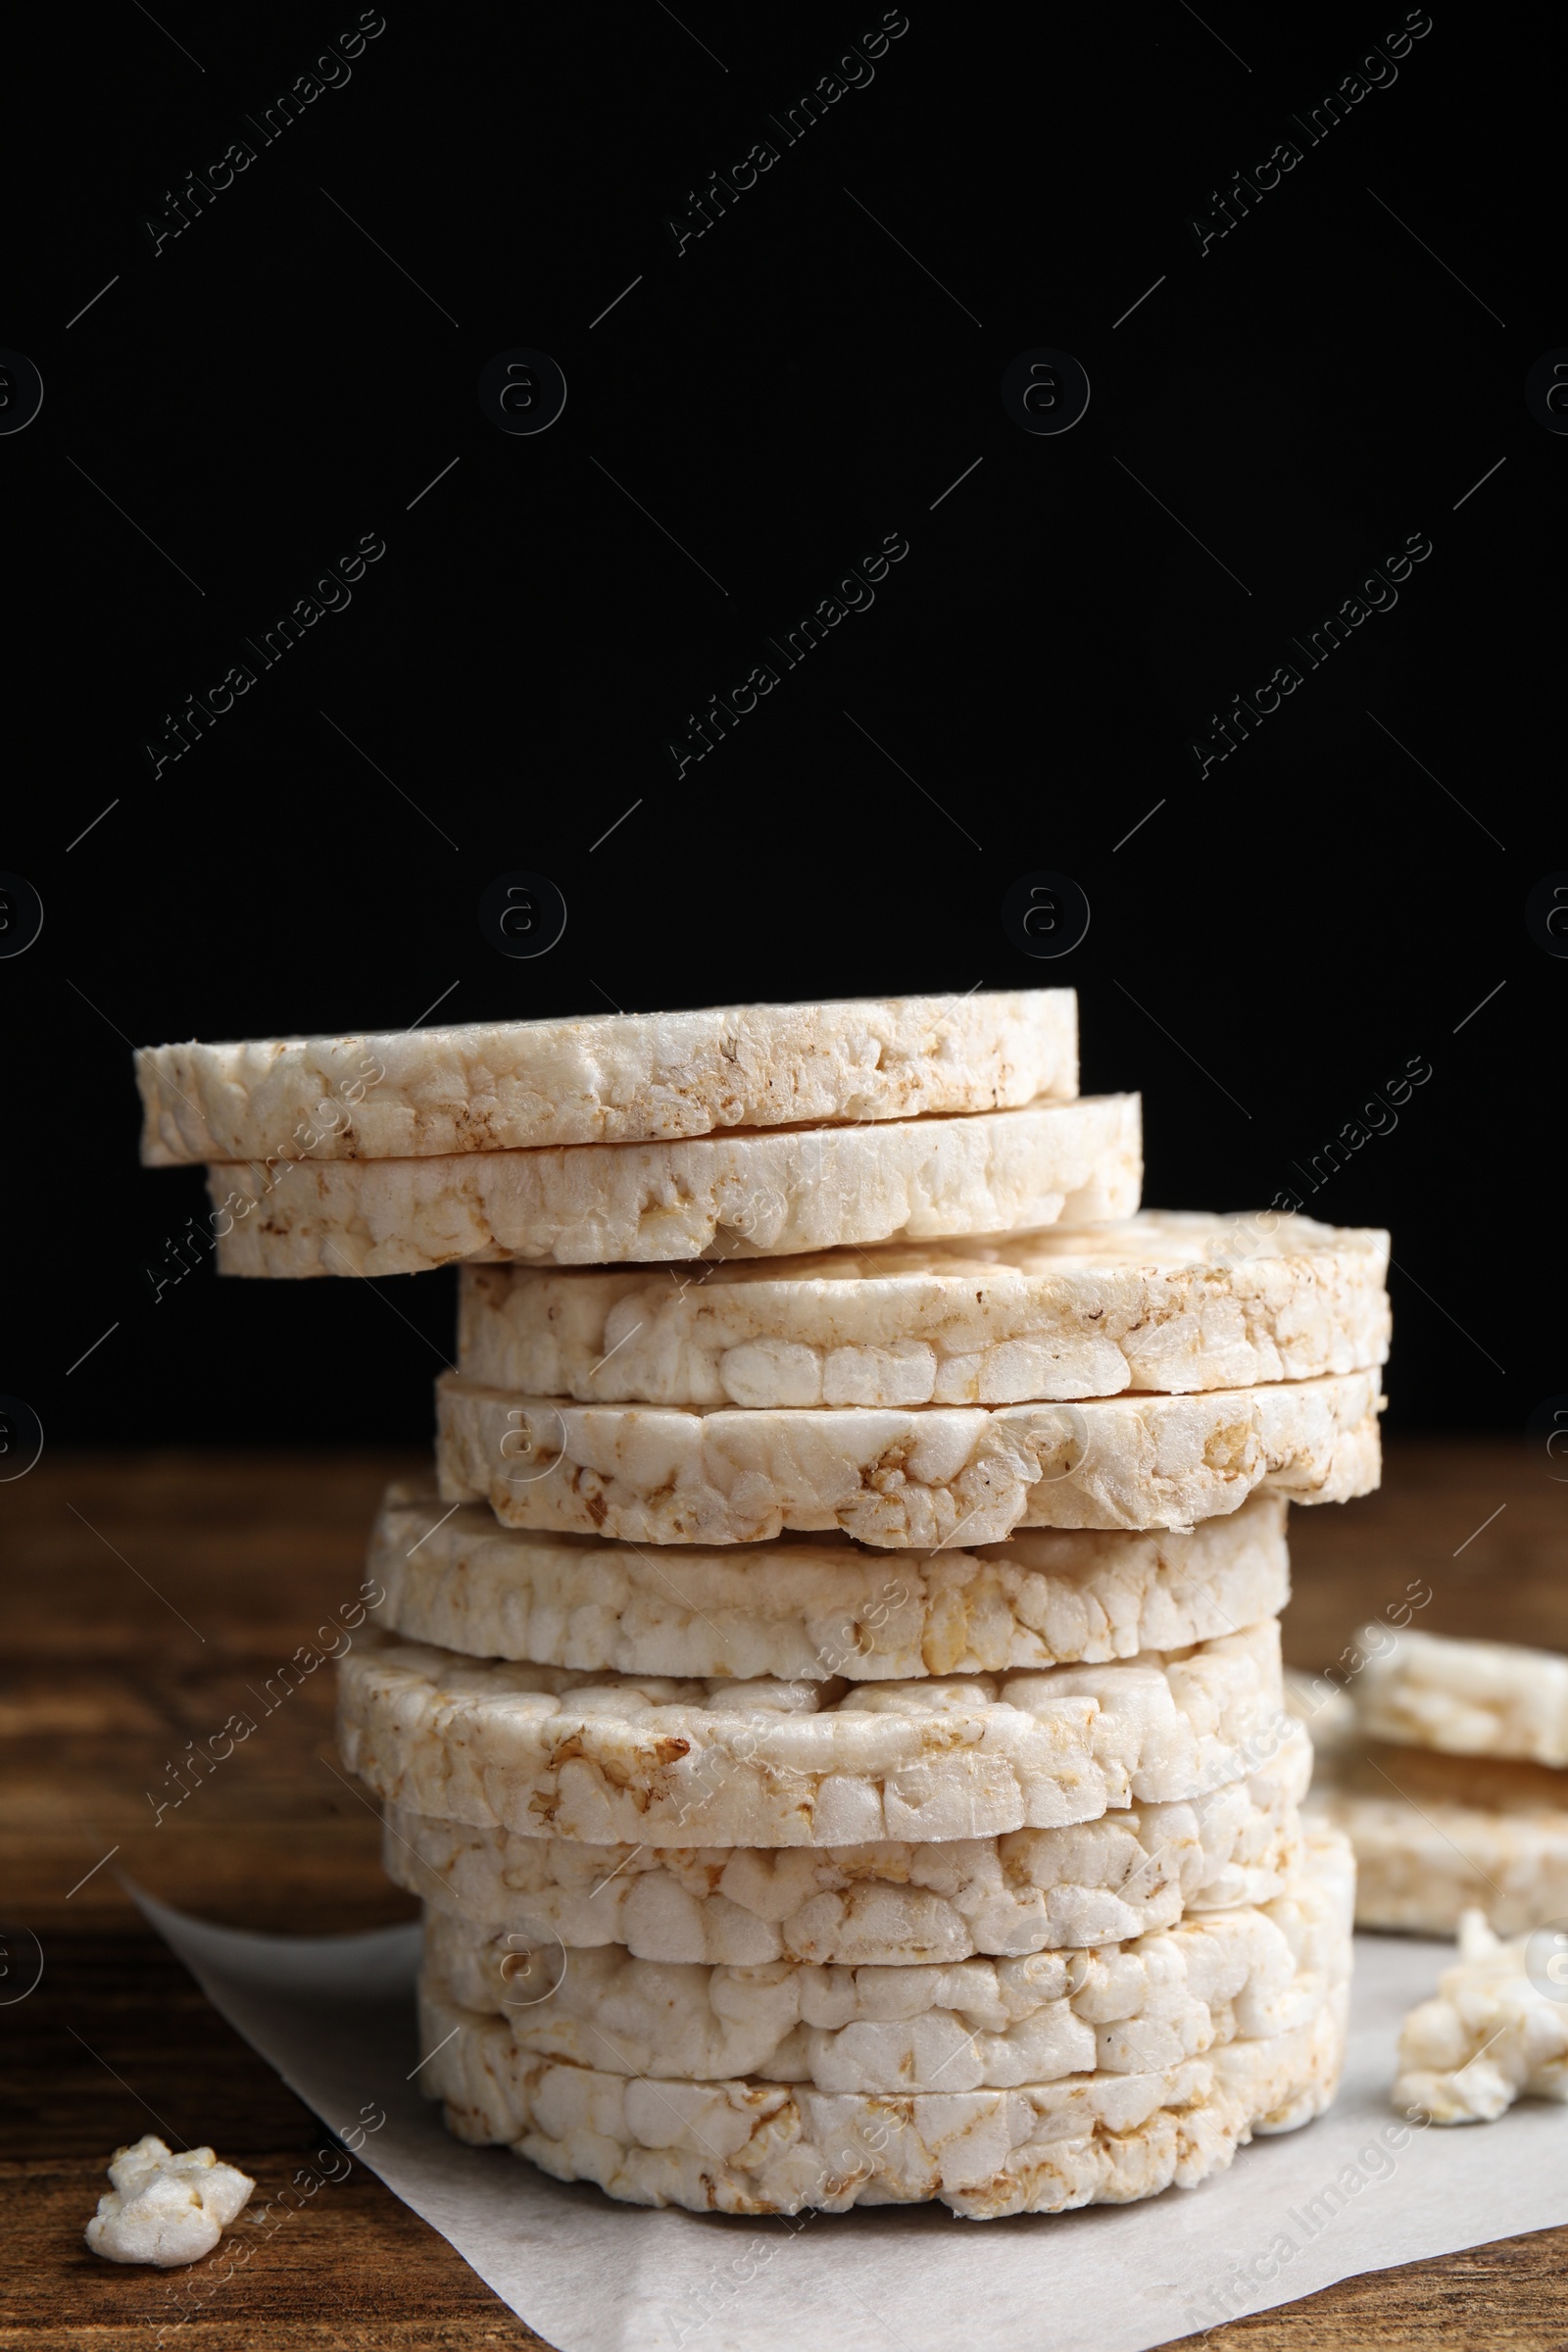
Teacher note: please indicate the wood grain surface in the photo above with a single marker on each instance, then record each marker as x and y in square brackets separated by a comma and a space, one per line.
[148, 1596]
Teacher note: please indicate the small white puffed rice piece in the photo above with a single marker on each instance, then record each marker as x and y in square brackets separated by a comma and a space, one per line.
[165, 2209]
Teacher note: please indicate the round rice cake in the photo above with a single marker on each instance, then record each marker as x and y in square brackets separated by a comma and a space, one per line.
[628, 1077]
[968, 2025]
[927, 1476]
[894, 1904]
[1468, 1698]
[1437, 1835]
[751, 1193]
[819, 1606]
[753, 2147]
[1167, 1302]
[746, 2144]
[629, 1759]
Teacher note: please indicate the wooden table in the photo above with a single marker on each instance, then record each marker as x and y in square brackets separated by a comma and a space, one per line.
[145, 1595]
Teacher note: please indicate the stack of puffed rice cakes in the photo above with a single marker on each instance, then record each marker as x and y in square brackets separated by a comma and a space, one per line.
[829, 1697]
[1446, 1763]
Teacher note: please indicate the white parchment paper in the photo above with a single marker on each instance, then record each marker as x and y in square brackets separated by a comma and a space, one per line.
[1354, 2192]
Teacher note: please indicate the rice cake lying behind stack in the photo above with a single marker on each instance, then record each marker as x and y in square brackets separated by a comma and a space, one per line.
[1444, 1765]
[1466, 1698]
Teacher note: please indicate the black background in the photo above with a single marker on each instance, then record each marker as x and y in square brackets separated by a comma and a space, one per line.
[1281, 938]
